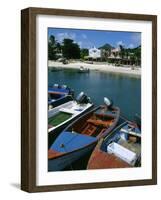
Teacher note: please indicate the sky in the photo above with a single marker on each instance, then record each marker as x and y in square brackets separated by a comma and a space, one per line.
[94, 38]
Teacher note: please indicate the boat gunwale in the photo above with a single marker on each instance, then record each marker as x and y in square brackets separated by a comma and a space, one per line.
[62, 97]
[72, 117]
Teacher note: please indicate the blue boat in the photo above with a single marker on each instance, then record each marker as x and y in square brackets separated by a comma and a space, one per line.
[81, 136]
[120, 149]
[58, 95]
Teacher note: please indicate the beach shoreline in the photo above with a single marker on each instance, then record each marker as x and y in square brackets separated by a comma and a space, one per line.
[101, 67]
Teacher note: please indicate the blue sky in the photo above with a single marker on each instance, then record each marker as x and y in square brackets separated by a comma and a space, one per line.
[90, 38]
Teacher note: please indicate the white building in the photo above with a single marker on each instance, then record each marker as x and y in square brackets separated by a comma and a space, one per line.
[115, 53]
[94, 53]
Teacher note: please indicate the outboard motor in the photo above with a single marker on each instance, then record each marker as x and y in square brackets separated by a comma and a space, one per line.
[64, 87]
[55, 85]
[108, 102]
[82, 98]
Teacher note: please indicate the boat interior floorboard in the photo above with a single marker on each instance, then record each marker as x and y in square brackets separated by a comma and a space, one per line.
[135, 147]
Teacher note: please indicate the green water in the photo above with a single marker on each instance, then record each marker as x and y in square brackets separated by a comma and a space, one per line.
[124, 90]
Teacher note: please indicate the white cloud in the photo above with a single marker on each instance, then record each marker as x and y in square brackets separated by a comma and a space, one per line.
[83, 41]
[61, 36]
[120, 43]
[131, 46]
[80, 43]
[87, 44]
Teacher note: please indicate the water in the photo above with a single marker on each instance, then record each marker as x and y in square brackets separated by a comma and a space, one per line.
[124, 90]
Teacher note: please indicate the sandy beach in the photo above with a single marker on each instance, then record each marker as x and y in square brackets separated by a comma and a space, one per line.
[104, 67]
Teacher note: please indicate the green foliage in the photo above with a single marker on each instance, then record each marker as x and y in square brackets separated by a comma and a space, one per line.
[53, 48]
[52, 40]
[135, 55]
[122, 51]
[70, 50]
[83, 53]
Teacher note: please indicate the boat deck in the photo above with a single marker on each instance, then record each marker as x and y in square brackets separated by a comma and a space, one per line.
[70, 141]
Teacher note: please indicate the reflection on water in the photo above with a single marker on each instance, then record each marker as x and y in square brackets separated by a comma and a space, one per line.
[124, 90]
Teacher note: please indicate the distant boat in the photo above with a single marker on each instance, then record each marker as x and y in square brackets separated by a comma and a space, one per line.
[58, 95]
[83, 70]
[60, 116]
[81, 136]
[120, 149]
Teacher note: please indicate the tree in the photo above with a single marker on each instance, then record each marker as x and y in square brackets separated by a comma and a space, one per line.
[122, 51]
[83, 53]
[137, 53]
[52, 40]
[58, 47]
[51, 48]
[70, 49]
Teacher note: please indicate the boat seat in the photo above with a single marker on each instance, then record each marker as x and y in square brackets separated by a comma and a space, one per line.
[67, 110]
[100, 122]
[89, 130]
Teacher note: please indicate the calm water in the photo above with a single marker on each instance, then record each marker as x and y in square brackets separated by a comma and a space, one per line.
[125, 91]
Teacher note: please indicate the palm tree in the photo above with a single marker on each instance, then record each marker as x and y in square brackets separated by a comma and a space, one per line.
[122, 51]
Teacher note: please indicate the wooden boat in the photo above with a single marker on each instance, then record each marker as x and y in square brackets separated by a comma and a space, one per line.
[60, 116]
[58, 95]
[120, 149]
[81, 136]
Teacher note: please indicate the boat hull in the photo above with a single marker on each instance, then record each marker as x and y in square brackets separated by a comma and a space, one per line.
[67, 159]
